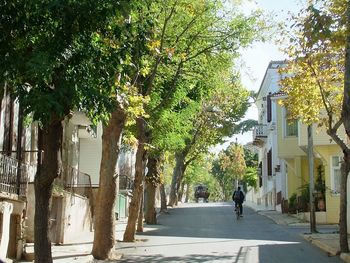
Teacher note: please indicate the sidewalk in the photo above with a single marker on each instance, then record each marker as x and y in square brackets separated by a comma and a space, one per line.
[328, 242]
[80, 250]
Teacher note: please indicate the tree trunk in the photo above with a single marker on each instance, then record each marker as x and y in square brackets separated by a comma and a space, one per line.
[104, 236]
[343, 229]
[187, 192]
[181, 190]
[129, 234]
[177, 175]
[48, 169]
[151, 214]
[141, 214]
[180, 183]
[152, 180]
[163, 201]
[344, 247]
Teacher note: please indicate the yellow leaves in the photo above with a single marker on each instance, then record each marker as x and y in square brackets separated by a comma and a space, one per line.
[145, 71]
[313, 85]
[130, 140]
[183, 56]
[154, 45]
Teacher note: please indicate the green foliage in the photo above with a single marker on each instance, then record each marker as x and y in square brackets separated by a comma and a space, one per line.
[229, 167]
[320, 184]
[305, 193]
[197, 173]
[250, 157]
[192, 49]
[292, 202]
[250, 178]
[245, 126]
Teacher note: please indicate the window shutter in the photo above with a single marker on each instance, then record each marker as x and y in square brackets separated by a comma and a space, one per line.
[269, 163]
[260, 174]
[269, 108]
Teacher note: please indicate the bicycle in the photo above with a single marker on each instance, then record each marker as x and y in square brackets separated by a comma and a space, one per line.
[238, 212]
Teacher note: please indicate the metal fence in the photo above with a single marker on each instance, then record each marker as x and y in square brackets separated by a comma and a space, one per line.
[10, 171]
[125, 183]
[75, 178]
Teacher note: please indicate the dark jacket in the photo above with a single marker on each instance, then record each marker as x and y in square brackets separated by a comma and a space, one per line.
[241, 199]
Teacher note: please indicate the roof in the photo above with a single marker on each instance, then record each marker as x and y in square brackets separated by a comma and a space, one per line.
[279, 95]
[274, 64]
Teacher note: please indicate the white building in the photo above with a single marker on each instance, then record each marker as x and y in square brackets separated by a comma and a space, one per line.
[270, 172]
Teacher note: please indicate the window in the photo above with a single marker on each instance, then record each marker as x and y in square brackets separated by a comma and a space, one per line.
[335, 173]
[290, 125]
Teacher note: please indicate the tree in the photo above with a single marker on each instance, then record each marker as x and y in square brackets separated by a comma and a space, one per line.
[185, 35]
[56, 63]
[316, 73]
[251, 161]
[199, 172]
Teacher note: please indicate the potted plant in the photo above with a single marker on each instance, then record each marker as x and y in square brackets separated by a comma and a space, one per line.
[292, 206]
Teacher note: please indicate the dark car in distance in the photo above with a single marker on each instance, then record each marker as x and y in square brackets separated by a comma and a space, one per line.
[201, 191]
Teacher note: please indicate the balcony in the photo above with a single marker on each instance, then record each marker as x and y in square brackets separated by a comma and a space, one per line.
[78, 182]
[259, 135]
[14, 176]
[125, 183]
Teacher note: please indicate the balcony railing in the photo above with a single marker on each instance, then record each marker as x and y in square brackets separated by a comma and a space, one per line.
[75, 178]
[125, 183]
[14, 175]
[260, 131]
[259, 134]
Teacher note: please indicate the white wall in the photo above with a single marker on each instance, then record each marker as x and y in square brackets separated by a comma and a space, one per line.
[90, 156]
[77, 218]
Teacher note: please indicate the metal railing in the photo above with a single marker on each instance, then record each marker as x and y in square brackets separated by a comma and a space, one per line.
[10, 171]
[260, 131]
[125, 183]
[75, 178]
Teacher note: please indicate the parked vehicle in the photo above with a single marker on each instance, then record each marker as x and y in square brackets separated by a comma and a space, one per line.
[201, 191]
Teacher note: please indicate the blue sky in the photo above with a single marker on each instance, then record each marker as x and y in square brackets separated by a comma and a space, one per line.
[256, 58]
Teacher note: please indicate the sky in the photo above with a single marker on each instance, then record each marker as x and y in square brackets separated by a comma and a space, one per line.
[256, 58]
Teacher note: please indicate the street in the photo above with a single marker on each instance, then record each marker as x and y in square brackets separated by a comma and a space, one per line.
[209, 232]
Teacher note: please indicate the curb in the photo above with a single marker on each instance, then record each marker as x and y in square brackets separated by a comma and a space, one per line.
[331, 251]
[345, 257]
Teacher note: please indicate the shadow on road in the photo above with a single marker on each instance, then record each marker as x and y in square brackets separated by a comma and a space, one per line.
[210, 233]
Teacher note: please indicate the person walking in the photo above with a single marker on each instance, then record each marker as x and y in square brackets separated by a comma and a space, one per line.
[238, 198]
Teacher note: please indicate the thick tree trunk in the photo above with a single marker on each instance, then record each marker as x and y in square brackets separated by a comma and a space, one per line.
[177, 175]
[49, 162]
[104, 237]
[129, 234]
[163, 201]
[140, 217]
[151, 214]
[152, 179]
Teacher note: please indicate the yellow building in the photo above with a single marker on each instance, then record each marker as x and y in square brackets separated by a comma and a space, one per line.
[283, 162]
[292, 148]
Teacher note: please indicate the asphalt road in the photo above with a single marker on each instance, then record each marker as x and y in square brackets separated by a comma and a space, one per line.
[209, 232]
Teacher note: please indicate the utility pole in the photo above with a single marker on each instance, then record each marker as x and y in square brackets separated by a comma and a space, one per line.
[310, 154]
